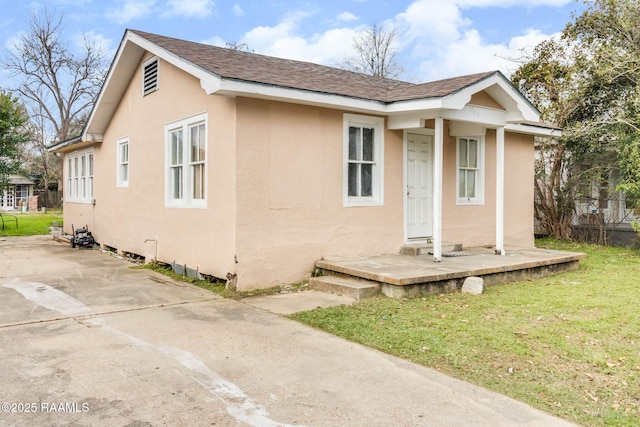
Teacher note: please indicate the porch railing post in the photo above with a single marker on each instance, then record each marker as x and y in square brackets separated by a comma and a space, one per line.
[500, 190]
[437, 189]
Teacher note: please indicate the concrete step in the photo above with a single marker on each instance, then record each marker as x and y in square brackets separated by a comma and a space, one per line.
[354, 288]
[427, 248]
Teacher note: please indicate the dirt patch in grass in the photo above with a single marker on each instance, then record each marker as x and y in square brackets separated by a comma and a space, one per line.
[568, 344]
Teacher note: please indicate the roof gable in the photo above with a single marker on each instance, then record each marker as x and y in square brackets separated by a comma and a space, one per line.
[237, 73]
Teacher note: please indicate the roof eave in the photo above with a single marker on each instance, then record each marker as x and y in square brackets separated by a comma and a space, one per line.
[232, 87]
[70, 145]
[532, 129]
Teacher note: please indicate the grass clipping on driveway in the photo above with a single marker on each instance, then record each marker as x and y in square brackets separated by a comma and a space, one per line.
[568, 344]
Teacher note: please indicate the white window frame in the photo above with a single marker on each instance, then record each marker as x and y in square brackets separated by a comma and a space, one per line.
[123, 147]
[79, 176]
[377, 174]
[186, 164]
[462, 199]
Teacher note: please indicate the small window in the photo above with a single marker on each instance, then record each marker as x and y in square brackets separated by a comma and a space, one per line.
[123, 162]
[470, 165]
[150, 76]
[186, 162]
[90, 176]
[363, 160]
[79, 176]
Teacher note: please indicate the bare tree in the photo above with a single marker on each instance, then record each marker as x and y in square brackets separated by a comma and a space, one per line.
[57, 86]
[234, 45]
[375, 52]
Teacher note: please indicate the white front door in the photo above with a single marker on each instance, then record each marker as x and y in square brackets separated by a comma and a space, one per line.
[419, 201]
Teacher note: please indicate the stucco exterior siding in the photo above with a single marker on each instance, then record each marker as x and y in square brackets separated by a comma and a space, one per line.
[519, 191]
[126, 217]
[469, 224]
[78, 215]
[475, 224]
[290, 194]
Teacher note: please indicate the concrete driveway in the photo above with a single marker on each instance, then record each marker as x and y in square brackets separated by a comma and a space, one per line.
[86, 340]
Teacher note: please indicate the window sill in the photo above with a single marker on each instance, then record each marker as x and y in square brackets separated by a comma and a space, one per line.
[185, 205]
[469, 202]
[79, 202]
[369, 202]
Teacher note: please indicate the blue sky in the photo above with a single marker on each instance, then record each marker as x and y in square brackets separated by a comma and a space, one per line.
[439, 38]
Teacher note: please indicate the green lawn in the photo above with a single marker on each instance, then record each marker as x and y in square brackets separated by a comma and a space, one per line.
[568, 344]
[30, 224]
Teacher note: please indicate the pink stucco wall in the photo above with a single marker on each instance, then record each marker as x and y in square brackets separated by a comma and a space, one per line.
[203, 238]
[475, 225]
[290, 194]
[274, 188]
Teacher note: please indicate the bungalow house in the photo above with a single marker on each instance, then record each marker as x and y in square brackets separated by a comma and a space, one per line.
[17, 195]
[253, 168]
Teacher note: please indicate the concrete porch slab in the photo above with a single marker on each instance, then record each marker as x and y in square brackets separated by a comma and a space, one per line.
[403, 275]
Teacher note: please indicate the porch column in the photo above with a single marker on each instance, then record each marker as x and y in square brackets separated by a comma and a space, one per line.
[437, 189]
[500, 191]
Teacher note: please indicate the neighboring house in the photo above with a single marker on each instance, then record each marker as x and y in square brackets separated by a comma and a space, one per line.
[602, 213]
[17, 196]
[254, 167]
[599, 198]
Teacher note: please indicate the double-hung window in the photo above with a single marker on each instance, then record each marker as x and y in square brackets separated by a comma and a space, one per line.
[123, 162]
[186, 160]
[363, 160]
[470, 166]
[79, 176]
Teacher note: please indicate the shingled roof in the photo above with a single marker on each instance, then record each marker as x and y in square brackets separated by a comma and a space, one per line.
[286, 73]
[231, 72]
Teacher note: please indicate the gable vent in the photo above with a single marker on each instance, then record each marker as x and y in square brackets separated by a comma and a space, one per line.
[150, 76]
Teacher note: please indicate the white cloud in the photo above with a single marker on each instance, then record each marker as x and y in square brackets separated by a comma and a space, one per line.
[285, 40]
[138, 9]
[450, 46]
[237, 10]
[215, 41]
[14, 41]
[510, 3]
[347, 17]
[435, 46]
[188, 8]
[130, 10]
